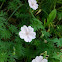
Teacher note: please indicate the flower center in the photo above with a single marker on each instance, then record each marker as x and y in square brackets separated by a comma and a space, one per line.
[32, 4]
[27, 33]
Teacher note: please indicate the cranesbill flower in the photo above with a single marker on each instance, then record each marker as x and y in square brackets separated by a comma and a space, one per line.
[39, 59]
[33, 4]
[27, 33]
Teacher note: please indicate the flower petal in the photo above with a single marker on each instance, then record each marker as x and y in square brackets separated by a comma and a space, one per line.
[30, 28]
[27, 39]
[44, 60]
[21, 34]
[32, 35]
[33, 4]
[39, 58]
[33, 60]
[24, 28]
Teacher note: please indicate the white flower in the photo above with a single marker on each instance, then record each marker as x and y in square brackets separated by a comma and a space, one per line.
[27, 33]
[44, 60]
[33, 4]
[39, 59]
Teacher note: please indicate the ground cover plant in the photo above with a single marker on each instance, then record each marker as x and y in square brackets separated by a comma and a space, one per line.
[30, 31]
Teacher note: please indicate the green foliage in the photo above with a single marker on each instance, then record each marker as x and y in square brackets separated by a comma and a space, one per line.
[58, 42]
[45, 34]
[2, 0]
[3, 57]
[14, 4]
[46, 23]
[5, 34]
[59, 15]
[58, 56]
[13, 29]
[51, 17]
[36, 24]
[6, 51]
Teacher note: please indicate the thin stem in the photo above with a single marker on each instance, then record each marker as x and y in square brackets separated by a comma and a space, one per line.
[1, 5]
[45, 12]
[32, 14]
[14, 11]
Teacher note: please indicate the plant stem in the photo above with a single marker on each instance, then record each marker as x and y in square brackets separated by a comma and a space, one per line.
[1, 5]
[32, 13]
[14, 11]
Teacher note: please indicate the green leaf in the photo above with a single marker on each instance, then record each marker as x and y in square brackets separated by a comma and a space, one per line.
[19, 50]
[13, 29]
[5, 34]
[58, 41]
[3, 57]
[36, 24]
[2, 17]
[46, 34]
[59, 15]
[58, 56]
[51, 16]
